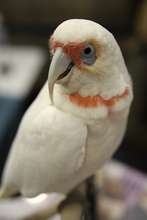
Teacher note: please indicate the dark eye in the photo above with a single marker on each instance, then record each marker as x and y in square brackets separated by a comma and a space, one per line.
[88, 54]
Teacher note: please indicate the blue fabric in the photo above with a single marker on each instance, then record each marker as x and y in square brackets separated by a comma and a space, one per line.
[11, 110]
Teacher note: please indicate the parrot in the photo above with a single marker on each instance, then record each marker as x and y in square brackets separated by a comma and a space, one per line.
[78, 119]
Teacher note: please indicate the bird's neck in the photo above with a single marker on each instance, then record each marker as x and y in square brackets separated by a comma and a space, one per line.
[94, 101]
[89, 107]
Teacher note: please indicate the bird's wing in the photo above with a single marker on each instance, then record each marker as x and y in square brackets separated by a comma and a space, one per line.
[61, 135]
[48, 149]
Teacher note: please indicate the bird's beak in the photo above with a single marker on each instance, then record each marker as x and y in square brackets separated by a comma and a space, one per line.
[60, 66]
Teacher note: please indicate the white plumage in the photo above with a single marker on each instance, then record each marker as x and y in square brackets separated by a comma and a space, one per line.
[60, 144]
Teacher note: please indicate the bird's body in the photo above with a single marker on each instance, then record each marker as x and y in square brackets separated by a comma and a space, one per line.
[66, 149]
[61, 143]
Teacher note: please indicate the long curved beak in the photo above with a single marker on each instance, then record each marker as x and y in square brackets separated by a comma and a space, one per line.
[59, 68]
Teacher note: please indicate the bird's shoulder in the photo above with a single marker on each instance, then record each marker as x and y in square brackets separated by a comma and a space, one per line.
[52, 121]
[45, 125]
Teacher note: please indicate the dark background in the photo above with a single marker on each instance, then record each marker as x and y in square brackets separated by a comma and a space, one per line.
[30, 23]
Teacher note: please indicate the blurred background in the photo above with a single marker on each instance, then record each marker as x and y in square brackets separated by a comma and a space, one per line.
[25, 27]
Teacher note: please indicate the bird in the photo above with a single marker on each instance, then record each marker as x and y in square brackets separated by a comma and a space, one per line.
[78, 119]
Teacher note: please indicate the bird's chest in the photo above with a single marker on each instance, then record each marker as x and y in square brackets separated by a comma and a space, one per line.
[102, 140]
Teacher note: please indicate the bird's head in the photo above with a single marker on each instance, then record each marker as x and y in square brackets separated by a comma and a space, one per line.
[88, 66]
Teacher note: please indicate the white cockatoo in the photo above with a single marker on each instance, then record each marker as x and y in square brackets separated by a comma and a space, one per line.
[79, 118]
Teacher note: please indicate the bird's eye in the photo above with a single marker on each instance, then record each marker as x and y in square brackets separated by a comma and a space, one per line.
[88, 54]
